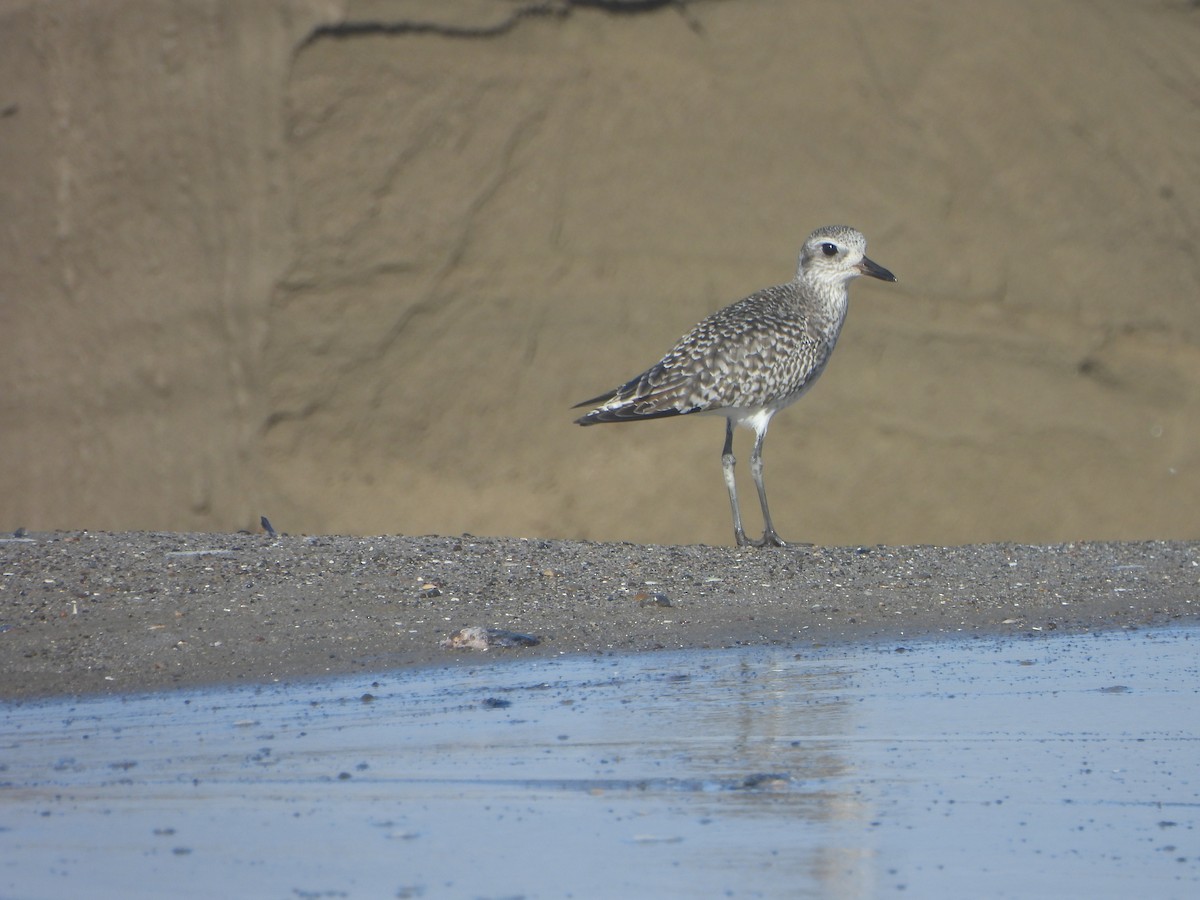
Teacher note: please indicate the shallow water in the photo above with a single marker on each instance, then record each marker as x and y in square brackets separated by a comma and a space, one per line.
[1053, 767]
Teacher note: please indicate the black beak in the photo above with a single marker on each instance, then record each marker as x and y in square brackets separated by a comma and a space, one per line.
[875, 270]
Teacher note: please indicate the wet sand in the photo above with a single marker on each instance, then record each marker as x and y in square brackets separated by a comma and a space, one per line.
[87, 612]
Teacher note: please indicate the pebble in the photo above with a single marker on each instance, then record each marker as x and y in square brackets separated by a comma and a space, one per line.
[647, 599]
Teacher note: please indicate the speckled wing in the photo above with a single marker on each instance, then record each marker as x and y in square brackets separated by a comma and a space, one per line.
[762, 351]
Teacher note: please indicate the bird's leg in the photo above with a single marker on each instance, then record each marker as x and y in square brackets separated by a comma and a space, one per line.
[769, 538]
[727, 464]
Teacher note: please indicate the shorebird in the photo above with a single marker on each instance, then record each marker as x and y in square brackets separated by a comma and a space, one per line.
[751, 359]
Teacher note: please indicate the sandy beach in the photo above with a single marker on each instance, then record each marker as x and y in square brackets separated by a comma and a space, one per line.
[91, 612]
[348, 266]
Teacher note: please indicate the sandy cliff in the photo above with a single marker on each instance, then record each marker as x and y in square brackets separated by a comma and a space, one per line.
[349, 264]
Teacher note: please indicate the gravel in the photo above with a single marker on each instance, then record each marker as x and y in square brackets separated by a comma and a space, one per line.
[86, 612]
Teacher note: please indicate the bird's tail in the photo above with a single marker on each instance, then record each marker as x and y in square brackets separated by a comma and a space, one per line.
[611, 407]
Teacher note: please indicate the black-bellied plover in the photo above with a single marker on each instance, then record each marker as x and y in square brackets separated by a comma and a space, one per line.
[751, 359]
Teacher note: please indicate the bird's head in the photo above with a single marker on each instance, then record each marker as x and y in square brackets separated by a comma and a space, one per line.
[835, 254]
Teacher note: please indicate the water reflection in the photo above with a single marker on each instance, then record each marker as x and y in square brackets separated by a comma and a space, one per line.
[1052, 765]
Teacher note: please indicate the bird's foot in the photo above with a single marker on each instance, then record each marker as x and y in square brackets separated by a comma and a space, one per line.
[769, 539]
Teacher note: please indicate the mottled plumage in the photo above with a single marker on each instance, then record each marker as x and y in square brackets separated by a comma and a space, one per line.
[752, 358]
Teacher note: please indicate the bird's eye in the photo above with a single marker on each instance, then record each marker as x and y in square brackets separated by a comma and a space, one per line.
[829, 249]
